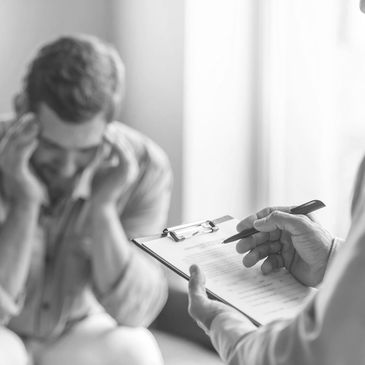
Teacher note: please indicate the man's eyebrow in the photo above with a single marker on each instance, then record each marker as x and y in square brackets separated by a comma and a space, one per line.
[57, 146]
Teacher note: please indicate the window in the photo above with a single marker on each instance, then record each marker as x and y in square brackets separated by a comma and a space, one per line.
[274, 95]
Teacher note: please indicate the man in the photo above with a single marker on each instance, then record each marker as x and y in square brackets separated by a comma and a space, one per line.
[75, 186]
[330, 329]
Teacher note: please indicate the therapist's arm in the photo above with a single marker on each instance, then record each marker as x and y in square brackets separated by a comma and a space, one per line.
[238, 341]
[329, 330]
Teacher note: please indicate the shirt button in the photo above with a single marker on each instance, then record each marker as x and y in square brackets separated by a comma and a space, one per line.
[45, 306]
[48, 259]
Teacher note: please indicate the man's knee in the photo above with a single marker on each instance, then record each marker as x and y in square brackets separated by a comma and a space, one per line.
[12, 349]
[135, 346]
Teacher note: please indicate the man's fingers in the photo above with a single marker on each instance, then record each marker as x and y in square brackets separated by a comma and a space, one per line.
[28, 151]
[126, 159]
[294, 224]
[261, 252]
[272, 263]
[24, 135]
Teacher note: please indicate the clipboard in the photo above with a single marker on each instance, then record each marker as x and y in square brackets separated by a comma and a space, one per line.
[261, 298]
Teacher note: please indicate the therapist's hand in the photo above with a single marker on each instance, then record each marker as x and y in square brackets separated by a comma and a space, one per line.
[295, 242]
[202, 309]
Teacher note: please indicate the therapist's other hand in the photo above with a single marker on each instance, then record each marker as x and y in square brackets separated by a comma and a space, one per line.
[295, 242]
[202, 309]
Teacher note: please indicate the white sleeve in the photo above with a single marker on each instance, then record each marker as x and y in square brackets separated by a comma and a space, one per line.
[9, 307]
[337, 243]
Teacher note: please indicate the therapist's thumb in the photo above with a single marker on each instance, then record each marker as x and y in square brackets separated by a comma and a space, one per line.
[294, 224]
[197, 283]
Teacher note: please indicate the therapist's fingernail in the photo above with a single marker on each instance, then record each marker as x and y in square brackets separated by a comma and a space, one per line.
[257, 223]
[250, 259]
[267, 268]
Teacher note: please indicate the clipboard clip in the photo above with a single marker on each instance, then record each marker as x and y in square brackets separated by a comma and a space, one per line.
[180, 233]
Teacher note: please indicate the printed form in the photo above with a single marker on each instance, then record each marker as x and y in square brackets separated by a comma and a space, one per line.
[261, 297]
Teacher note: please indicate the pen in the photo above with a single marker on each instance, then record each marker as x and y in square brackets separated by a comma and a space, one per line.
[305, 208]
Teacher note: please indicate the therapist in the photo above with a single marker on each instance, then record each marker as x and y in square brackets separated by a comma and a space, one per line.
[330, 329]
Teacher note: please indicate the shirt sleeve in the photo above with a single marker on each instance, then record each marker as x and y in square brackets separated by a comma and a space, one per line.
[280, 342]
[329, 330]
[337, 243]
[138, 295]
[147, 208]
[358, 186]
[8, 306]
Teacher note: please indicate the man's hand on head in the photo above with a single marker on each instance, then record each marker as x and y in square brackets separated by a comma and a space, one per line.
[111, 178]
[20, 183]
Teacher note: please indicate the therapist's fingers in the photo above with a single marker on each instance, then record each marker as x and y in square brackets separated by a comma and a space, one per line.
[202, 309]
[199, 304]
[261, 252]
[246, 223]
[294, 224]
[249, 243]
[272, 263]
[312, 218]
[267, 211]
[197, 283]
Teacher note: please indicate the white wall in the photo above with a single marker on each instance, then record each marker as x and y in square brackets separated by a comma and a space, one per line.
[150, 37]
[220, 103]
[313, 103]
[25, 24]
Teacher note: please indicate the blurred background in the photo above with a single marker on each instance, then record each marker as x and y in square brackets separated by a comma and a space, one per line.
[256, 102]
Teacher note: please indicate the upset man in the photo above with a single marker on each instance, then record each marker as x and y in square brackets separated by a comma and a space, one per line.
[75, 185]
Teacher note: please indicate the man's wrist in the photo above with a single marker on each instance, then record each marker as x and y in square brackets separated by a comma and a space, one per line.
[98, 210]
[26, 203]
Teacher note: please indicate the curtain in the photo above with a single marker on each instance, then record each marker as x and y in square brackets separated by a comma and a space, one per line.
[313, 115]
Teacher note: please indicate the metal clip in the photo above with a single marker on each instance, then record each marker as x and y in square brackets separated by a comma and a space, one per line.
[180, 233]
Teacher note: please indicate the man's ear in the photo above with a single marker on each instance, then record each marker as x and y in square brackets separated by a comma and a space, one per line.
[20, 104]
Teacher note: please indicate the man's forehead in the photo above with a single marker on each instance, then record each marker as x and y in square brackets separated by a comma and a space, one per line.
[70, 135]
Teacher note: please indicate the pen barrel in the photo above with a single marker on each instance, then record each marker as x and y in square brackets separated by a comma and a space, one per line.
[308, 207]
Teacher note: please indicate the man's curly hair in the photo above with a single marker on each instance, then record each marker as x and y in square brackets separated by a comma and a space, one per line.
[77, 77]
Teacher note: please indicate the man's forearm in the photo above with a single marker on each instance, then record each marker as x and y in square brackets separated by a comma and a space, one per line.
[131, 288]
[110, 249]
[16, 235]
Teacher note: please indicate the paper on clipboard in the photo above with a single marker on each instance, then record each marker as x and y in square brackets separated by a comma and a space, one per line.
[263, 298]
